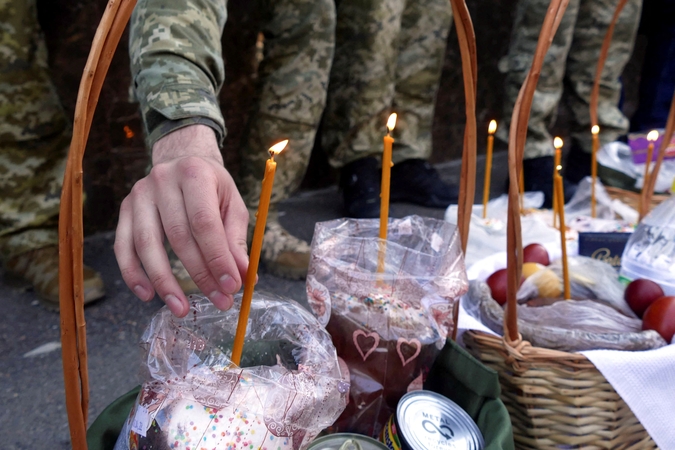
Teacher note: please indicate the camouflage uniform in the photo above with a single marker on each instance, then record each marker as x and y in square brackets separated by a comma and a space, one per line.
[570, 62]
[34, 134]
[388, 58]
[178, 69]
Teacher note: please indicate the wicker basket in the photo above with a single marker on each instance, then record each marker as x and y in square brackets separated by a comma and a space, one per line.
[632, 199]
[557, 399]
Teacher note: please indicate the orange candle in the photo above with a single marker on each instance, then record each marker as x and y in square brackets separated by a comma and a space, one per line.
[594, 165]
[256, 246]
[652, 136]
[560, 193]
[384, 190]
[558, 144]
[488, 165]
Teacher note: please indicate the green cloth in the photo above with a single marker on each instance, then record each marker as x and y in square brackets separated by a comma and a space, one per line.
[463, 379]
[103, 433]
[455, 374]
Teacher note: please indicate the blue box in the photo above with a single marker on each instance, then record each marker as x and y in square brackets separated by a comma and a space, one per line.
[607, 247]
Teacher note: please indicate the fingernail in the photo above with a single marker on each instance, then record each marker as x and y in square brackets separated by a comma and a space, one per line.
[228, 284]
[142, 293]
[221, 301]
[174, 304]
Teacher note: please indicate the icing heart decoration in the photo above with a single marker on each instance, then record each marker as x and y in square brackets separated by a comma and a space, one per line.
[376, 342]
[410, 343]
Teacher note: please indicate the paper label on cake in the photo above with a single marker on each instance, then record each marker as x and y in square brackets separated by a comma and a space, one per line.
[436, 242]
[318, 298]
[141, 421]
[405, 227]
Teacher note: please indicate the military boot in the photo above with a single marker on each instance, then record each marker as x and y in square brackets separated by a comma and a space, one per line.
[40, 268]
[283, 254]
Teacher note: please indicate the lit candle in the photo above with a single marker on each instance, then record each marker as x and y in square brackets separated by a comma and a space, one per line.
[652, 136]
[256, 246]
[558, 144]
[384, 190]
[488, 165]
[560, 203]
[594, 165]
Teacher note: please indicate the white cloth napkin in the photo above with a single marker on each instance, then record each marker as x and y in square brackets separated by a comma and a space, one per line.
[645, 380]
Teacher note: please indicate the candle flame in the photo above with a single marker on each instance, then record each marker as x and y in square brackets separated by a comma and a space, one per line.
[278, 147]
[391, 122]
[595, 129]
[558, 167]
[492, 127]
[557, 142]
[653, 135]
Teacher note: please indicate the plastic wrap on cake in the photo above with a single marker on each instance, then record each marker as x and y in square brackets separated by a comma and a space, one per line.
[387, 325]
[288, 389]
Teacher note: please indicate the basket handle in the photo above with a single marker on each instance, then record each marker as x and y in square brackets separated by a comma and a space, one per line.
[71, 299]
[467, 181]
[517, 136]
[667, 136]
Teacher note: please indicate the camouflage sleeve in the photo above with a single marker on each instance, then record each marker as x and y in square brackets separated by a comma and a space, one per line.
[176, 63]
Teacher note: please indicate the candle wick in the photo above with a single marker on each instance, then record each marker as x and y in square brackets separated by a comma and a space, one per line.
[272, 154]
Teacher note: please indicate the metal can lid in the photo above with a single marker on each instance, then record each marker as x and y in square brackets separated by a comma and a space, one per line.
[350, 441]
[429, 421]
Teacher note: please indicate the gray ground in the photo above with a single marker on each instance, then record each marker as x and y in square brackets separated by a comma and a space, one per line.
[32, 403]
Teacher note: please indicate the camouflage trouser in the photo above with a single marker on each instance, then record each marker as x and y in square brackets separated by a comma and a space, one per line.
[299, 42]
[388, 58]
[570, 64]
[34, 134]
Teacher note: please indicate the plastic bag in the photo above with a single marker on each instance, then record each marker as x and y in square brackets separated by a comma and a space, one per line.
[289, 387]
[565, 325]
[590, 279]
[388, 327]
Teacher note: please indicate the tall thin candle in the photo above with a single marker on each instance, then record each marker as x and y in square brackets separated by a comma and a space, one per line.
[557, 144]
[488, 165]
[652, 136]
[594, 165]
[560, 193]
[256, 246]
[384, 192]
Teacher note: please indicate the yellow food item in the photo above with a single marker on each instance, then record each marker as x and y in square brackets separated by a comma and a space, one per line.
[548, 283]
[530, 268]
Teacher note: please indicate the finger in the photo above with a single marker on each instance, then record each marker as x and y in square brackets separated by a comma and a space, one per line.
[207, 226]
[175, 220]
[148, 242]
[127, 259]
[235, 221]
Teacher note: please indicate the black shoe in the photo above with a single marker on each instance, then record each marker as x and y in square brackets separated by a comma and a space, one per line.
[415, 181]
[538, 176]
[360, 183]
[577, 165]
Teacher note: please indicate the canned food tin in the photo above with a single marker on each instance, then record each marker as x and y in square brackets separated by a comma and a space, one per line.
[345, 441]
[425, 420]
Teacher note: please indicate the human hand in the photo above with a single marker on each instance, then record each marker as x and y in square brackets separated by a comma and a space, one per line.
[189, 198]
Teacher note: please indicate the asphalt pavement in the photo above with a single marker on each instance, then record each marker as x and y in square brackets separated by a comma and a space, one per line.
[32, 400]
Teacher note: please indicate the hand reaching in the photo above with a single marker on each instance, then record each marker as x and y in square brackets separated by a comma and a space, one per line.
[189, 198]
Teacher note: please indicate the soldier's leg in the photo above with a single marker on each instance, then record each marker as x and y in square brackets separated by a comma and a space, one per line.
[424, 32]
[538, 164]
[361, 89]
[526, 28]
[594, 19]
[34, 139]
[298, 50]
[422, 40]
